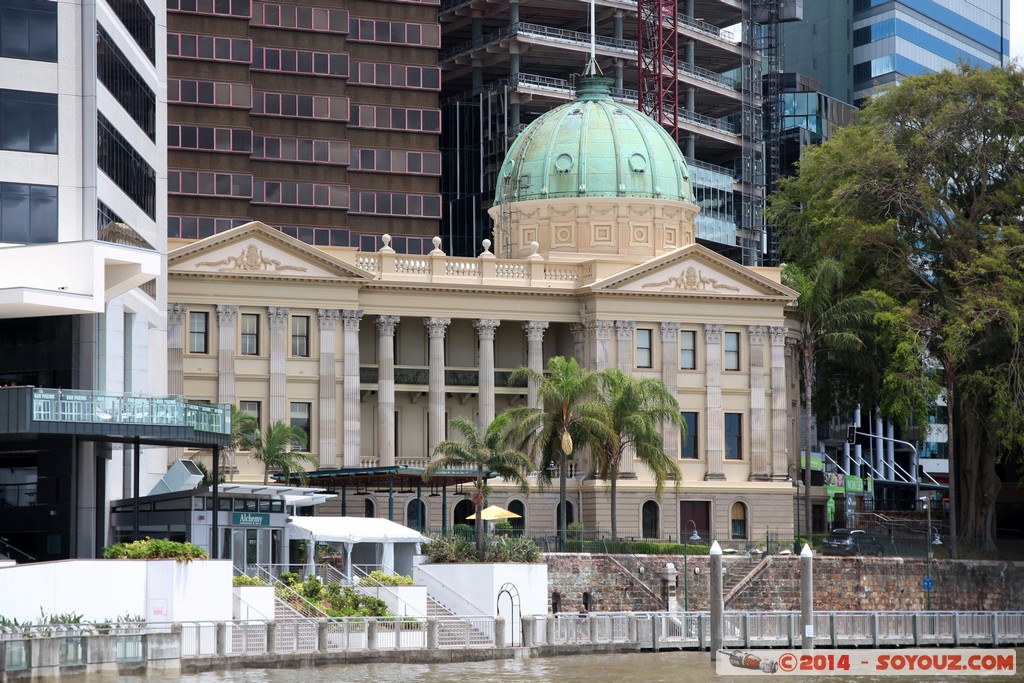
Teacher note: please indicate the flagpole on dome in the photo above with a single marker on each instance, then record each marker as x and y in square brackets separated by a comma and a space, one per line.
[592, 69]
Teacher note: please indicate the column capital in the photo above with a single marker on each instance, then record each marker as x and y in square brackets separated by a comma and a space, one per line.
[437, 326]
[624, 329]
[386, 324]
[226, 315]
[669, 332]
[535, 329]
[579, 332]
[778, 335]
[277, 316]
[327, 318]
[757, 333]
[602, 329]
[713, 334]
[176, 313]
[485, 327]
[350, 319]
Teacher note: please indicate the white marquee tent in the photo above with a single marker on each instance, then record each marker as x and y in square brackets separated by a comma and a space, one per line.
[370, 543]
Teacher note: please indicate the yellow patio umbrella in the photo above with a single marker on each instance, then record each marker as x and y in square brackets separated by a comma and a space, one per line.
[493, 512]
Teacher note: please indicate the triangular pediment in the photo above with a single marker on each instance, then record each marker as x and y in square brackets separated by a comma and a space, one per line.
[694, 270]
[258, 250]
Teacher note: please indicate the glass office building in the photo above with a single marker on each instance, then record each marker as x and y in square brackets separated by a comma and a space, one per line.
[855, 48]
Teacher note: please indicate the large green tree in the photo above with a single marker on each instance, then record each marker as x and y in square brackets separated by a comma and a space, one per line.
[922, 198]
[274, 448]
[482, 453]
[829, 320]
[570, 415]
[637, 407]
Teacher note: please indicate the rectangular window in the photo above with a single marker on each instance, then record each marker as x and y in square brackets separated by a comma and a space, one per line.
[28, 30]
[300, 336]
[644, 356]
[733, 436]
[28, 213]
[689, 440]
[687, 350]
[300, 419]
[198, 332]
[121, 79]
[125, 166]
[250, 408]
[28, 121]
[732, 351]
[250, 334]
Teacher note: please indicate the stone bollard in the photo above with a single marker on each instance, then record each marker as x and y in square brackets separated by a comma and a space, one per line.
[631, 628]
[592, 622]
[371, 634]
[321, 636]
[271, 638]
[549, 630]
[499, 631]
[528, 626]
[716, 598]
[221, 638]
[807, 599]
[433, 633]
[669, 577]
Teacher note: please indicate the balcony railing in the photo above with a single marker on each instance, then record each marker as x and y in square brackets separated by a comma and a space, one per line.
[78, 406]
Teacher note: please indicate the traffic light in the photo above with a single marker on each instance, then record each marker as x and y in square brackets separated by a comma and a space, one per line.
[851, 434]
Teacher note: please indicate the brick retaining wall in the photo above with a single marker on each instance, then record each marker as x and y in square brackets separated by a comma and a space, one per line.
[840, 583]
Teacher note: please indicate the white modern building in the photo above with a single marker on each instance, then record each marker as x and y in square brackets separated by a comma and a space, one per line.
[82, 261]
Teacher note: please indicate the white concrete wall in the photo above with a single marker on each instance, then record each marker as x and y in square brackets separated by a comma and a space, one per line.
[476, 589]
[102, 590]
[253, 602]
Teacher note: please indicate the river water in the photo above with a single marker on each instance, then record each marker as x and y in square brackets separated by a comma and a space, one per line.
[664, 667]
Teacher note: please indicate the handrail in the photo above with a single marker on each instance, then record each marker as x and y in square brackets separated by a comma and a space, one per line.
[275, 582]
[375, 584]
[8, 546]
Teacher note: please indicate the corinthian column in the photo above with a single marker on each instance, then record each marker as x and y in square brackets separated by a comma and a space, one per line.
[176, 348]
[327, 321]
[716, 418]
[485, 374]
[277, 317]
[624, 352]
[600, 338]
[669, 375]
[760, 466]
[780, 452]
[350, 388]
[534, 355]
[386, 325]
[435, 407]
[226, 338]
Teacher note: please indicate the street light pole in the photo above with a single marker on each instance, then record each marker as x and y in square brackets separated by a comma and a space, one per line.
[686, 564]
[796, 482]
[928, 543]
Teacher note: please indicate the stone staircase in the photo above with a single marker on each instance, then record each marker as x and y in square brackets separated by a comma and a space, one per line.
[737, 571]
[454, 630]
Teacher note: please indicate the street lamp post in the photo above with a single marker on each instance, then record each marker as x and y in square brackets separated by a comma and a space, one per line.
[560, 516]
[928, 542]
[686, 563]
[796, 482]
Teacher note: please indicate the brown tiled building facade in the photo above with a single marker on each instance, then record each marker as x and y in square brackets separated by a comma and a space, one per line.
[321, 120]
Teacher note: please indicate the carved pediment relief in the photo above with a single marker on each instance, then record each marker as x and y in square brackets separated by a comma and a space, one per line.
[694, 270]
[252, 259]
[255, 249]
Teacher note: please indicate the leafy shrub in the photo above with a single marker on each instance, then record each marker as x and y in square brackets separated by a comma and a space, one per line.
[456, 550]
[313, 589]
[379, 578]
[243, 580]
[503, 528]
[465, 531]
[512, 549]
[451, 550]
[154, 549]
[291, 579]
[345, 602]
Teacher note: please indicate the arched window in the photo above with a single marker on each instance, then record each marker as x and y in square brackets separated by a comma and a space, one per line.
[569, 519]
[416, 514]
[518, 523]
[650, 520]
[463, 509]
[739, 521]
[369, 509]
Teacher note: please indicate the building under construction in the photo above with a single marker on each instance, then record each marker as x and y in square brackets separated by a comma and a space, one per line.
[694, 64]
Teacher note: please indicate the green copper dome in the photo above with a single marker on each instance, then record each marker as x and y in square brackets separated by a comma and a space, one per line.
[593, 147]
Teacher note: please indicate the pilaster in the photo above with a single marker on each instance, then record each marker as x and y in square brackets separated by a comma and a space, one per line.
[327, 322]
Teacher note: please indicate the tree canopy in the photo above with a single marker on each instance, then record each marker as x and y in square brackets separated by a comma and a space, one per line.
[922, 200]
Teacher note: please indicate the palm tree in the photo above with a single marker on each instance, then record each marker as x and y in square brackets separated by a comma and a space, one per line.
[274, 449]
[481, 452]
[636, 408]
[829, 320]
[571, 414]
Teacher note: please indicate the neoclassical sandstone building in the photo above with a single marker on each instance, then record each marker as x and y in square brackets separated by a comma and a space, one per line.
[373, 353]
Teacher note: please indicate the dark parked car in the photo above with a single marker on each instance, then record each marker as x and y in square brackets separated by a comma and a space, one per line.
[851, 542]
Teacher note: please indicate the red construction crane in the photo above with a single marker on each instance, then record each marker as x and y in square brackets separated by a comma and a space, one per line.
[658, 62]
